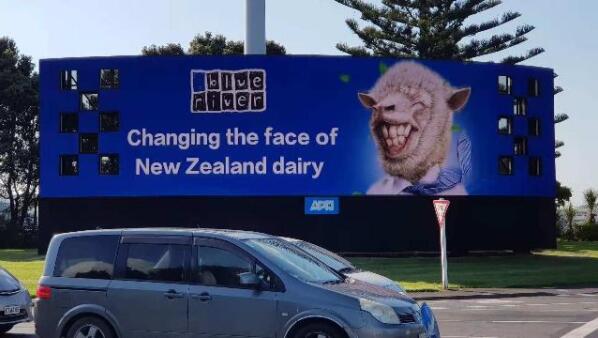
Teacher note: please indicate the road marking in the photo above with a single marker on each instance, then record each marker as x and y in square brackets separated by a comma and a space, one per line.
[497, 301]
[535, 310]
[25, 328]
[584, 330]
[468, 337]
[533, 322]
[551, 304]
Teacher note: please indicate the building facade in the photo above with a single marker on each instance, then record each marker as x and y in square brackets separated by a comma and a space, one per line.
[344, 152]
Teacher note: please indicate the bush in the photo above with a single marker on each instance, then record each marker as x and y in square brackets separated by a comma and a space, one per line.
[587, 232]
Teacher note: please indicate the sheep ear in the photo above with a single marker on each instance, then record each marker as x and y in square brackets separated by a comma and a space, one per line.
[459, 99]
[367, 100]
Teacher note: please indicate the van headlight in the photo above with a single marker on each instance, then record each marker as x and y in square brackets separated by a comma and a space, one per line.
[382, 312]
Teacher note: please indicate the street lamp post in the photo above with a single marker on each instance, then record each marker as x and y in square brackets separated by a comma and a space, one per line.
[255, 27]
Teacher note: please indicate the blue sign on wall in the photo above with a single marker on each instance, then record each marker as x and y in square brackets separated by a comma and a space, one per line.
[297, 125]
[322, 206]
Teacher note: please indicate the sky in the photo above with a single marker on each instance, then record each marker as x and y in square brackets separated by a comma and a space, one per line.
[566, 29]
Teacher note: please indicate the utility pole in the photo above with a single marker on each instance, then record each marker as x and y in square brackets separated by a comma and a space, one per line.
[255, 27]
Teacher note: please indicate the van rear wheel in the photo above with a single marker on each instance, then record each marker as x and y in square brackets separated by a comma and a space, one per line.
[319, 330]
[90, 327]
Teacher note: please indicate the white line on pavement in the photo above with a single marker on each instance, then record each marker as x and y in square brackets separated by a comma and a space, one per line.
[584, 330]
[545, 304]
[535, 310]
[497, 301]
[533, 322]
[467, 337]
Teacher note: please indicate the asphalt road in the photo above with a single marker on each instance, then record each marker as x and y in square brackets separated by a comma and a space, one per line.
[542, 313]
[22, 331]
[525, 313]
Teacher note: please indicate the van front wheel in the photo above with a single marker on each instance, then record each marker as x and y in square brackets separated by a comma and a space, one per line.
[319, 330]
[90, 327]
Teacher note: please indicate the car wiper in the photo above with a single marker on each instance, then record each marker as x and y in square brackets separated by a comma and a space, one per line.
[346, 270]
[332, 281]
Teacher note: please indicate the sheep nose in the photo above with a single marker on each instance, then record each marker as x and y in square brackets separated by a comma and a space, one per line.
[397, 116]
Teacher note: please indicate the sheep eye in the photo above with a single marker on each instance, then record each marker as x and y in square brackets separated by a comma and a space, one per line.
[389, 108]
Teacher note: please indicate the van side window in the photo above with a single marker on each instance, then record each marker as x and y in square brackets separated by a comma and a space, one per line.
[220, 267]
[156, 262]
[87, 257]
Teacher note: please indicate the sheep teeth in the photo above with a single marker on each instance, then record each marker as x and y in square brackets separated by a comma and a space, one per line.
[401, 129]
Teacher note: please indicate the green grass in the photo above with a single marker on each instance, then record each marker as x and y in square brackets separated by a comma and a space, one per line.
[26, 265]
[571, 264]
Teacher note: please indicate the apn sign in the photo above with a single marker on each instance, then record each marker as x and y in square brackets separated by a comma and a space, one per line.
[322, 206]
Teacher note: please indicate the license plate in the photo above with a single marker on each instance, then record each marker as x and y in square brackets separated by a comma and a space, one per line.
[12, 310]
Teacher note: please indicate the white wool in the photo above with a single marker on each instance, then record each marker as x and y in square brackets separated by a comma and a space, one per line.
[409, 77]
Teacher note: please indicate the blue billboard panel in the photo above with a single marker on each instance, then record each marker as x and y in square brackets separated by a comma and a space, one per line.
[296, 126]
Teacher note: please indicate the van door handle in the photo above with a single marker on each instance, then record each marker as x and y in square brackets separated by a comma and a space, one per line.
[171, 294]
[202, 297]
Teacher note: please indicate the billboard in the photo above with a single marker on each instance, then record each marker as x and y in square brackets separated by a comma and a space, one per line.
[294, 126]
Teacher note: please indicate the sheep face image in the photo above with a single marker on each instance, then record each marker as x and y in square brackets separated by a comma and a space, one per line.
[412, 117]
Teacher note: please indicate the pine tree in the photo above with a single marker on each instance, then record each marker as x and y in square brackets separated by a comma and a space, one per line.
[558, 118]
[432, 29]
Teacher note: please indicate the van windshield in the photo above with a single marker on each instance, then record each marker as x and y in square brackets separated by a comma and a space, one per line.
[294, 261]
[329, 258]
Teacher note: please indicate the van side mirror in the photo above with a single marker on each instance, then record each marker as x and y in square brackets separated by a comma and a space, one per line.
[250, 279]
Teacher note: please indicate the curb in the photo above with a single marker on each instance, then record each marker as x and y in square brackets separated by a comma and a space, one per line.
[481, 294]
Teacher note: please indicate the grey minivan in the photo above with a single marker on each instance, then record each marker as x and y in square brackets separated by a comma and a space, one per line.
[207, 283]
